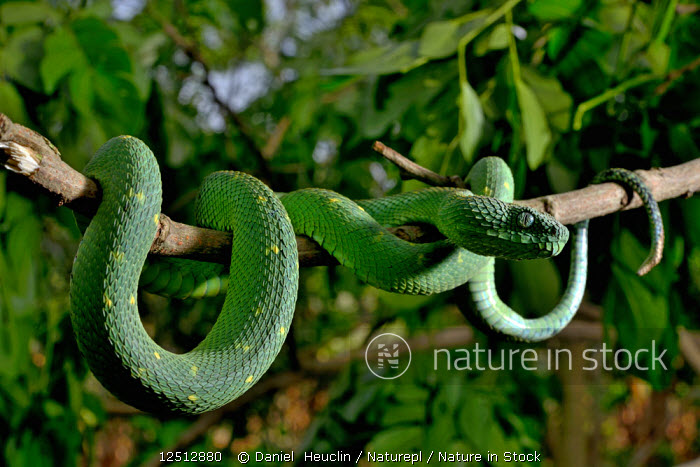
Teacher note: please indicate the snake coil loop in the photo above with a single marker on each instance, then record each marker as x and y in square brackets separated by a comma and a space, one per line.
[262, 279]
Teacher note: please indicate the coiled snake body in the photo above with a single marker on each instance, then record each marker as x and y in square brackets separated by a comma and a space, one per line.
[261, 282]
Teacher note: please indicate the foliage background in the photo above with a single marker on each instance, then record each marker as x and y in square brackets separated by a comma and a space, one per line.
[295, 91]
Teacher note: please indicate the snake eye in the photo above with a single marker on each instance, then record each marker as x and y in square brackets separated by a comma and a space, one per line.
[525, 219]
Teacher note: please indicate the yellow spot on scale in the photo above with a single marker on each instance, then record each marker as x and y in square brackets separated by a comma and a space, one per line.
[117, 255]
[275, 249]
[262, 199]
[132, 300]
[361, 208]
[506, 185]
[459, 257]
[487, 191]
[258, 311]
[157, 355]
[192, 397]
[142, 371]
[249, 379]
[246, 348]
[139, 196]
[282, 330]
[193, 370]
[156, 218]
[108, 302]
[333, 200]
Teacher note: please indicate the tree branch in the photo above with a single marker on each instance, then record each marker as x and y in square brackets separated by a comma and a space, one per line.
[577, 205]
[28, 153]
[411, 170]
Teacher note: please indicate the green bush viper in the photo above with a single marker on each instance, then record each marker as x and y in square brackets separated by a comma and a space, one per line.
[261, 282]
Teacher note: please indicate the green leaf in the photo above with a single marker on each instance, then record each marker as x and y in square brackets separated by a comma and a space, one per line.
[81, 90]
[471, 121]
[61, 56]
[555, 102]
[557, 39]
[682, 143]
[399, 439]
[362, 399]
[439, 39]
[117, 102]
[642, 307]
[497, 39]
[537, 286]
[22, 247]
[12, 103]
[15, 13]
[440, 434]
[397, 414]
[554, 10]
[658, 55]
[249, 14]
[395, 58]
[648, 311]
[428, 152]
[412, 394]
[476, 406]
[538, 136]
[21, 57]
[101, 46]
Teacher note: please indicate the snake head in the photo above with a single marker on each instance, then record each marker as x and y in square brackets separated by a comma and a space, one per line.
[490, 227]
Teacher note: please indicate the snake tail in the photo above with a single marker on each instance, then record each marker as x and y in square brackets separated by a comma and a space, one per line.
[503, 320]
[632, 181]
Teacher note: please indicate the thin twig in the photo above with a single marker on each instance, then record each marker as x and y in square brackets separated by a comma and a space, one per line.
[675, 75]
[43, 165]
[411, 170]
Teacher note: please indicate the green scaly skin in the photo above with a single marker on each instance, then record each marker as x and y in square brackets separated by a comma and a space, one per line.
[259, 303]
[504, 321]
[257, 311]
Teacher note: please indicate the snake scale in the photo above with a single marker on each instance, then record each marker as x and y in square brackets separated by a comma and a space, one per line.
[262, 279]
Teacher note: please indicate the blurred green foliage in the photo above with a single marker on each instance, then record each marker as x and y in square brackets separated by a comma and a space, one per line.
[295, 92]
